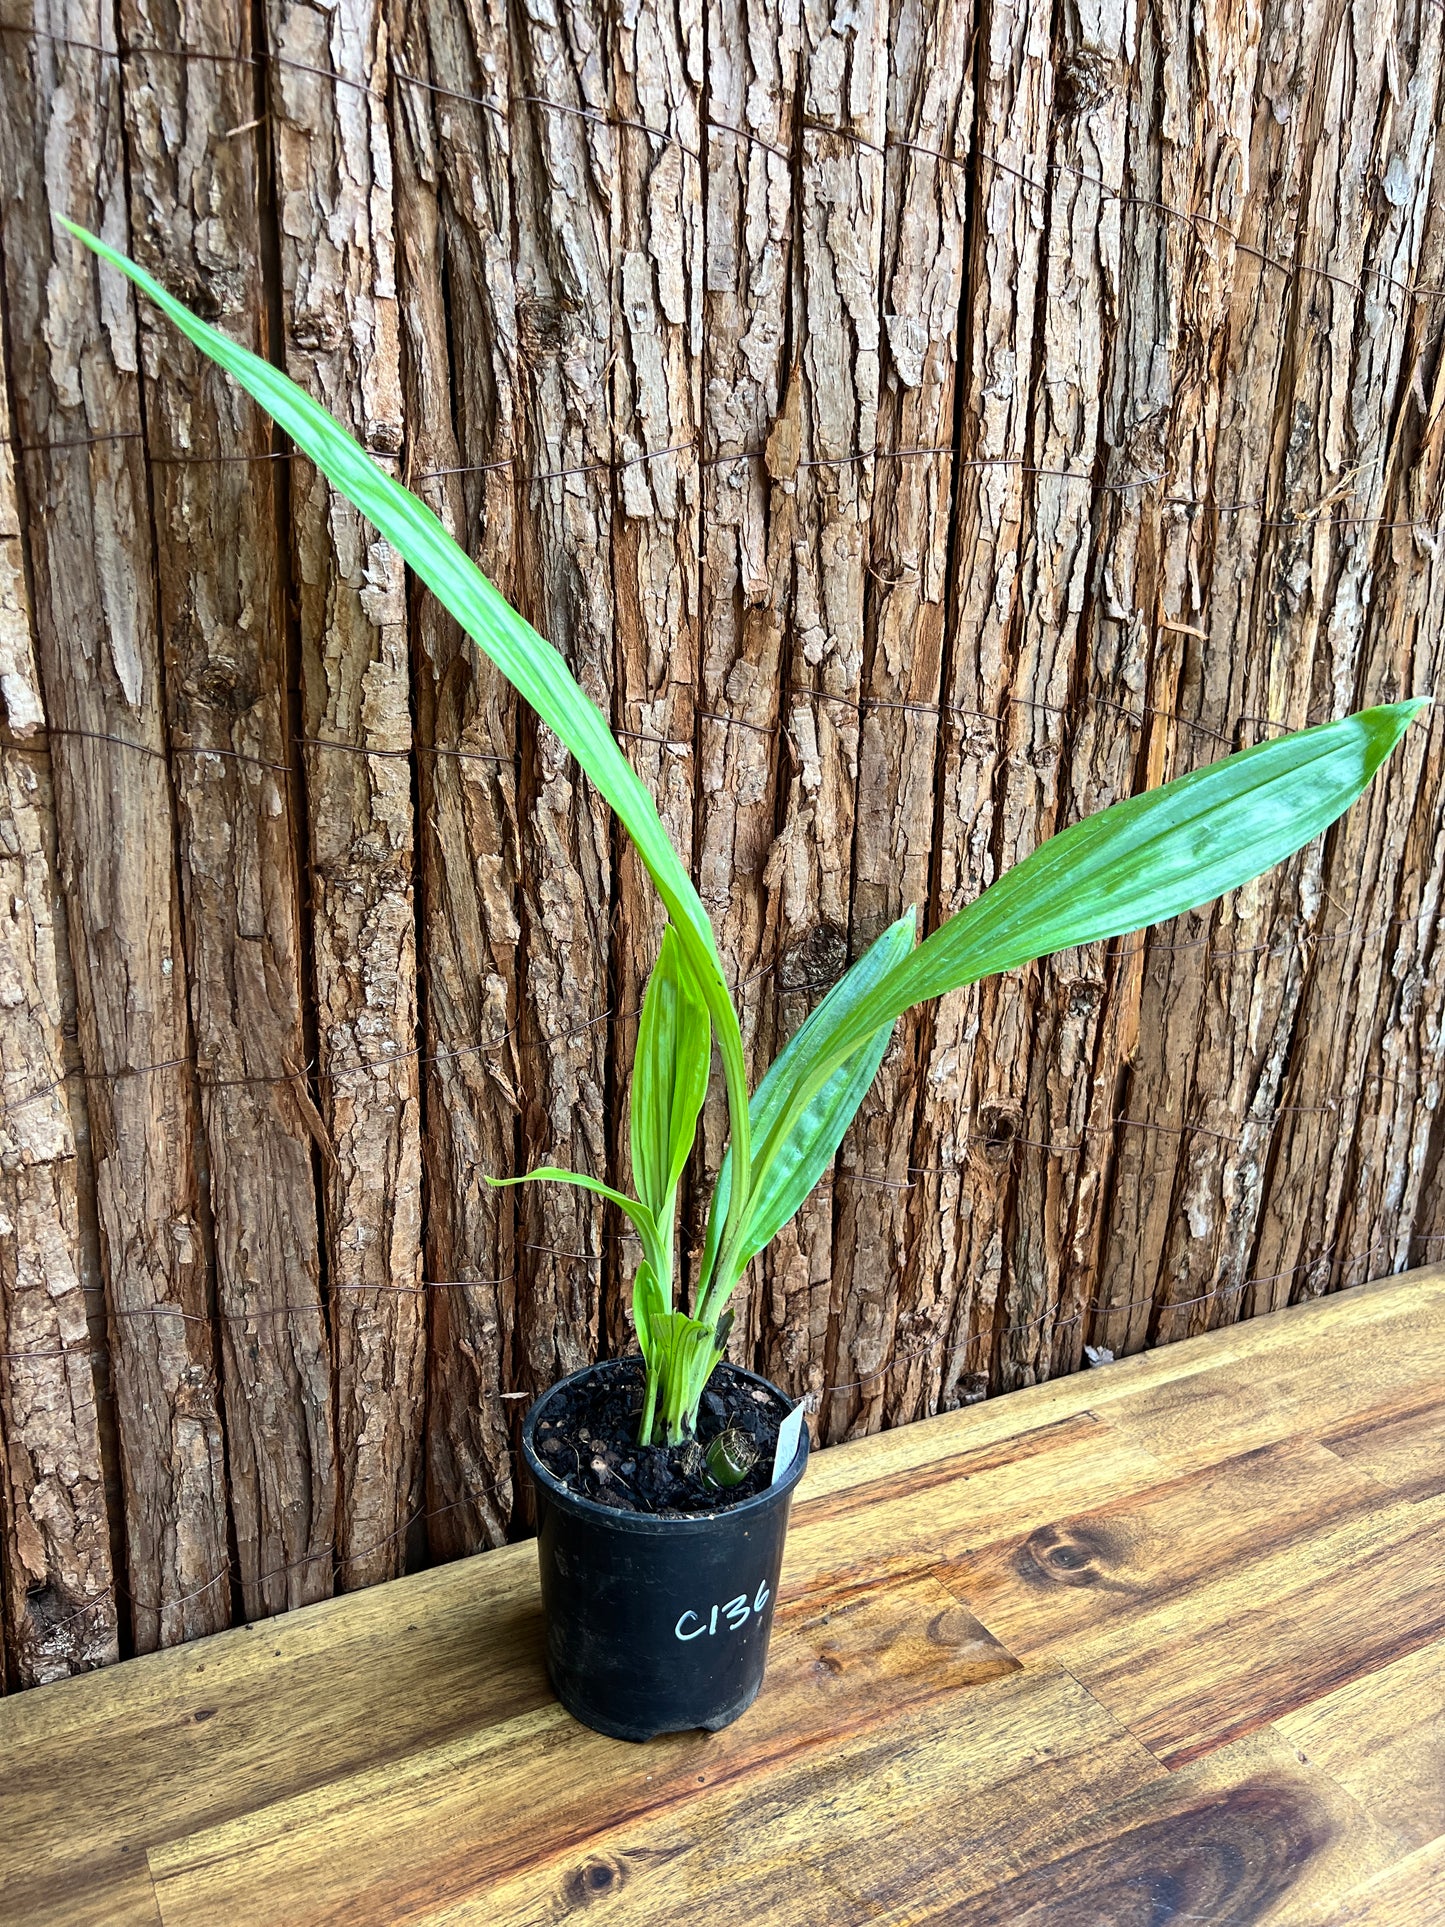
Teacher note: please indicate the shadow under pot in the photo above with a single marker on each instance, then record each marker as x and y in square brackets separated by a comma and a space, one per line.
[657, 1622]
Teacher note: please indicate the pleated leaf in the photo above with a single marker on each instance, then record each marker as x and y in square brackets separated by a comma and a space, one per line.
[1139, 862]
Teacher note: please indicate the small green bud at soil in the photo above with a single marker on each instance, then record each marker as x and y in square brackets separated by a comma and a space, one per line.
[730, 1458]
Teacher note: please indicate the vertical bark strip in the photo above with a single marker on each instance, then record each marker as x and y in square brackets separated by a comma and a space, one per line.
[76, 402]
[1339, 350]
[1042, 1020]
[1190, 100]
[564, 170]
[1345, 1184]
[194, 194]
[961, 1165]
[1196, 1065]
[332, 158]
[829, 475]
[1344, 351]
[459, 330]
[657, 68]
[1066, 757]
[751, 415]
[930, 108]
[60, 1611]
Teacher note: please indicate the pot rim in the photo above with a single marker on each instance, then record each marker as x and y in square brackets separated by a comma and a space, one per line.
[651, 1524]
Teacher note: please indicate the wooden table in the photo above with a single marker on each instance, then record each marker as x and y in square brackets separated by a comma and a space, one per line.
[1158, 1643]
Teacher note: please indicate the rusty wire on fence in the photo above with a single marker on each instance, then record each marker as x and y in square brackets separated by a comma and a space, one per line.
[512, 1039]
[37, 741]
[1194, 219]
[1095, 1311]
[340, 1561]
[1307, 515]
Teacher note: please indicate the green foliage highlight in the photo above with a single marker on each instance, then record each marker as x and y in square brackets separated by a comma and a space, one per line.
[1142, 861]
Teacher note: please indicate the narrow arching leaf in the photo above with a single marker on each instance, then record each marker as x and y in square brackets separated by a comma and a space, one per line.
[526, 659]
[1143, 860]
[812, 1141]
[1155, 856]
[553, 1174]
[669, 1078]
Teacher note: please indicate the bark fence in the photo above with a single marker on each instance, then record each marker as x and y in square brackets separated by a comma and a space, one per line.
[918, 424]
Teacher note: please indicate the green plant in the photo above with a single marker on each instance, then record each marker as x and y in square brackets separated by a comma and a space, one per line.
[1139, 862]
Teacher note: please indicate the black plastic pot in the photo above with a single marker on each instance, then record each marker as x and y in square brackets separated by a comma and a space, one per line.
[657, 1625]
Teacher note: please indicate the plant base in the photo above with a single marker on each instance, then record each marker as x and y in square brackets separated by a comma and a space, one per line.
[656, 1625]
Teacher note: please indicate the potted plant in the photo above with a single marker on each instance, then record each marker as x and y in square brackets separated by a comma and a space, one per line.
[664, 1482]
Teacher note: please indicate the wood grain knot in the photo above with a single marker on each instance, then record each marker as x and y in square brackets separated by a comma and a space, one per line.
[223, 682]
[1228, 1858]
[998, 1126]
[1074, 1555]
[593, 1880]
[817, 961]
[1085, 77]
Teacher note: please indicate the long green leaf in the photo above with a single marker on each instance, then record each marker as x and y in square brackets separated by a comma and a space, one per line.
[669, 1078]
[526, 659]
[813, 1139]
[1143, 860]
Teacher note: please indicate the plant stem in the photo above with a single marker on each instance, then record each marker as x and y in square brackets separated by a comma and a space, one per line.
[649, 1411]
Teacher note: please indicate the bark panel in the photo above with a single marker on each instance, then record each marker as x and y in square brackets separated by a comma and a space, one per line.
[459, 332]
[564, 173]
[1340, 352]
[60, 1611]
[657, 66]
[930, 108]
[917, 425]
[194, 186]
[829, 478]
[1066, 753]
[1346, 1178]
[961, 1161]
[751, 414]
[332, 158]
[1160, 1232]
[1153, 537]
[76, 397]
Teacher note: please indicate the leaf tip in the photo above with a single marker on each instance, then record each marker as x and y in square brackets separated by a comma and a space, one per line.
[81, 234]
[1389, 722]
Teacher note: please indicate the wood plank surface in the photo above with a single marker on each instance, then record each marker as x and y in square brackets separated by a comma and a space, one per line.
[1088, 1653]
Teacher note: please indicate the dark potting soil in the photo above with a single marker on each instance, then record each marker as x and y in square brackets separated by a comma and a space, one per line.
[587, 1439]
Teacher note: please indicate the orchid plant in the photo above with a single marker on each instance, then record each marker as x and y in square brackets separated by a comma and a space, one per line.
[1139, 862]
